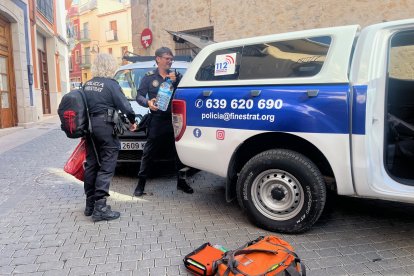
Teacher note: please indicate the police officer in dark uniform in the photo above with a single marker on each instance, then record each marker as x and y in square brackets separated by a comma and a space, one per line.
[105, 98]
[160, 131]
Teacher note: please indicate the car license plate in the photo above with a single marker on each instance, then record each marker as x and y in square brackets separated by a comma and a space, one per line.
[132, 145]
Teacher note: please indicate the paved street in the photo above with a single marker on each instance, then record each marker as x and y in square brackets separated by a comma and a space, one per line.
[43, 230]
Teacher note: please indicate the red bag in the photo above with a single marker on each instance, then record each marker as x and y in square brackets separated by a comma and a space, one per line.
[75, 163]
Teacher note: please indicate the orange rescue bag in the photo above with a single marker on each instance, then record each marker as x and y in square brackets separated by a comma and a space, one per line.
[265, 256]
[201, 260]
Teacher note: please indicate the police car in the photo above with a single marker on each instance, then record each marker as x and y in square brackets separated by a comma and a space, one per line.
[129, 77]
[287, 117]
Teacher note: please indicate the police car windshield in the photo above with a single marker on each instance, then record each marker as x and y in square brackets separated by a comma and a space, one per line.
[129, 80]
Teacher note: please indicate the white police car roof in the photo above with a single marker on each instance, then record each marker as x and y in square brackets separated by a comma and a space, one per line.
[152, 64]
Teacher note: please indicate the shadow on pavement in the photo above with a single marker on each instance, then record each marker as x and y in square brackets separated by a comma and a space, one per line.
[369, 210]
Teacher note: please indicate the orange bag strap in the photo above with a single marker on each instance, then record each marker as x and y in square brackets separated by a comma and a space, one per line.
[232, 264]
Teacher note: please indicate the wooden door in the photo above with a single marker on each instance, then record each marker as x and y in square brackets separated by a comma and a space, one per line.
[8, 114]
[44, 81]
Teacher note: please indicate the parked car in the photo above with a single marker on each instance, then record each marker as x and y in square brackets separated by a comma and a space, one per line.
[287, 117]
[75, 85]
[129, 77]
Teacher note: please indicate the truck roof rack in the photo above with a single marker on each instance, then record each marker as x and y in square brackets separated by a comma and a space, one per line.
[132, 57]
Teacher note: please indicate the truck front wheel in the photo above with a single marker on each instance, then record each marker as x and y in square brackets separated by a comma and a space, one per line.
[282, 191]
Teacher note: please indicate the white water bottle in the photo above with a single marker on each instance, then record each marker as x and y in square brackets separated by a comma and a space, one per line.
[164, 94]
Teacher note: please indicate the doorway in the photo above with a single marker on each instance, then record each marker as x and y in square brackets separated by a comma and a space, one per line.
[8, 114]
[44, 80]
[399, 128]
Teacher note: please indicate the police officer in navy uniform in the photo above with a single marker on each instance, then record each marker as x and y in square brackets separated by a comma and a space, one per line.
[105, 98]
[160, 131]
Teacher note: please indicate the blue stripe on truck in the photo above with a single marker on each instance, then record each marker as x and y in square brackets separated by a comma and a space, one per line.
[276, 108]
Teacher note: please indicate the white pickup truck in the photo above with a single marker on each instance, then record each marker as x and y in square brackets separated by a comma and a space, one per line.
[287, 117]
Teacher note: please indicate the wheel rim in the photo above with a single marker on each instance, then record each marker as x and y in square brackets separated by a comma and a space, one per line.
[277, 194]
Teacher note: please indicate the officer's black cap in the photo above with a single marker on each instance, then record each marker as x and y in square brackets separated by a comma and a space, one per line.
[163, 50]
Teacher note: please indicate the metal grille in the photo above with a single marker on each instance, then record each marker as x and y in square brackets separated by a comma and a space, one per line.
[130, 156]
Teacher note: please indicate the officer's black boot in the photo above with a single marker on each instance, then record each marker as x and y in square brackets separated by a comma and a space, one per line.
[139, 190]
[183, 186]
[90, 204]
[103, 211]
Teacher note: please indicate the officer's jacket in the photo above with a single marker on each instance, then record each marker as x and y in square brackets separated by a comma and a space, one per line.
[103, 94]
[148, 89]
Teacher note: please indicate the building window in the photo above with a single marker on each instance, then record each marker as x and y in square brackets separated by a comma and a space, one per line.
[77, 57]
[85, 31]
[45, 7]
[70, 64]
[75, 32]
[183, 48]
[113, 27]
[124, 50]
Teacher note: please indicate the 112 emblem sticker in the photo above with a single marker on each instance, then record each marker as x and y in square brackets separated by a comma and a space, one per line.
[225, 64]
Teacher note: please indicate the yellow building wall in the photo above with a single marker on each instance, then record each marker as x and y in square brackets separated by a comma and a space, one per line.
[99, 18]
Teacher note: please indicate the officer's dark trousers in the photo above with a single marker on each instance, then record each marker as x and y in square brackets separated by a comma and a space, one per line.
[98, 178]
[160, 136]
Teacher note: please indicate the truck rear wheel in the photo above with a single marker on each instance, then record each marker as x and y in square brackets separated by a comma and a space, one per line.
[281, 190]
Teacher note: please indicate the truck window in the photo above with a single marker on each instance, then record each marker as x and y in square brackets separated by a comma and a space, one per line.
[125, 81]
[223, 64]
[401, 61]
[399, 127]
[284, 59]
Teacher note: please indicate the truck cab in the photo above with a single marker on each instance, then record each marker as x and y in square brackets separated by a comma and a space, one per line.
[287, 117]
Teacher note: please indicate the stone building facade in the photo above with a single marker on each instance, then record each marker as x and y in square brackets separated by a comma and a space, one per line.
[33, 60]
[233, 19]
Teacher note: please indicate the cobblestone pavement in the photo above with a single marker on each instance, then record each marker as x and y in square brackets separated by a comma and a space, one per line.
[43, 230]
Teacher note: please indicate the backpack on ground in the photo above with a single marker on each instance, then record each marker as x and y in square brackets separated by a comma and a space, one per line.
[74, 114]
[265, 256]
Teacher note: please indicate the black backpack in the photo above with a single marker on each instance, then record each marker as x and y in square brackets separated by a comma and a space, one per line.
[74, 114]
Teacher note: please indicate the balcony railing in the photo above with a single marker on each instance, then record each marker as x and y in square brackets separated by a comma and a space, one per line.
[90, 5]
[84, 36]
[86, 62]
[111, 35]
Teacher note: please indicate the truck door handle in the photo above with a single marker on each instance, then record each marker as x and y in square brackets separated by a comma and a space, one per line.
[255, 93]
[312, 93]
[207, 93]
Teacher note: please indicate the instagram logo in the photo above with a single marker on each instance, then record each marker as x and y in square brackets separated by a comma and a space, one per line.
[220, 134]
